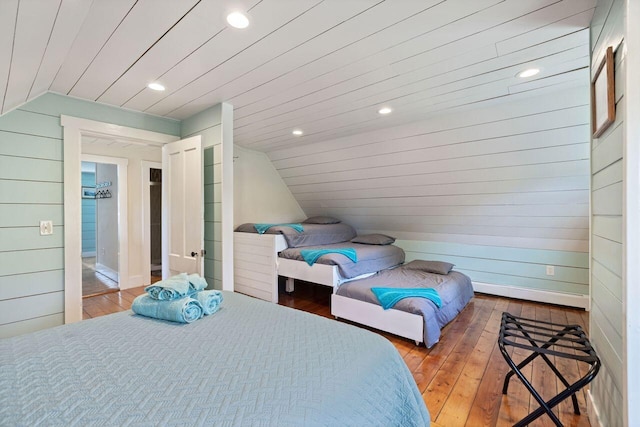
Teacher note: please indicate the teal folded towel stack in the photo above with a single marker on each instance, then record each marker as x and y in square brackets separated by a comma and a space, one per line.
[389, 297]
[169, 289]
[210, 301]
[196, 283]
[180, 298]
[182, 310]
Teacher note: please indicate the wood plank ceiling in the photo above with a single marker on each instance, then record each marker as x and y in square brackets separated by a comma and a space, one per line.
[325, 67]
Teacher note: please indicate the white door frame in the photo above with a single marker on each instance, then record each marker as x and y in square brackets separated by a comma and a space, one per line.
[74, 128]
[123, 213]
[146, 167]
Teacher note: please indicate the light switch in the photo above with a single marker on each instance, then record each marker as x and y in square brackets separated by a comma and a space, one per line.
[551, 270]
[46, 228]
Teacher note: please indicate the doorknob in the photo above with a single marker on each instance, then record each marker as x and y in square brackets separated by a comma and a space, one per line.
[194, 254]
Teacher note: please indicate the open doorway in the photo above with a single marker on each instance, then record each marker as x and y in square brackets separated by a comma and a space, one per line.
[75, 129]
[155, 223]
[100, 229]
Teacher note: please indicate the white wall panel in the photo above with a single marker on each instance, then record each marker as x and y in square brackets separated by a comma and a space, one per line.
[607, 164]
[510, 176]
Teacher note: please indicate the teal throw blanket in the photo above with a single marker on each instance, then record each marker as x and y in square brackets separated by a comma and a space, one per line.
[196, 283]
[210, 301]
[262, 228]
[183, 310]
[312, 255]
[169, 289]
[389, 297]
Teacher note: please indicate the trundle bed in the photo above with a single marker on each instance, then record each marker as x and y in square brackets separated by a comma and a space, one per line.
[260, 258]
[418, 319]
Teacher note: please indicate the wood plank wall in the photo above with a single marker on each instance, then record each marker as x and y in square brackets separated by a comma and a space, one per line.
[501, 191]
[608, 306]
[208, 125]
[31, 189]
[88, 217]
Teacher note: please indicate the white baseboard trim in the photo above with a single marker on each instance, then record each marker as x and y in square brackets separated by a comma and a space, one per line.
[88, 254]
[109, 272]
[571, 300]
[134, 282]
[592, 411]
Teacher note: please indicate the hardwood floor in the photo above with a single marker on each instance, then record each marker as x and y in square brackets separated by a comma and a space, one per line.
[461, 377]
[93, 282]
[109, 303]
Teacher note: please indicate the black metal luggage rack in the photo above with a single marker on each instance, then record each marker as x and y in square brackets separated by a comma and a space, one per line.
[546, 339]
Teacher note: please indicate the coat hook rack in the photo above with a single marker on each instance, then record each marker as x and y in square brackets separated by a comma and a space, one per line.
[103, 194]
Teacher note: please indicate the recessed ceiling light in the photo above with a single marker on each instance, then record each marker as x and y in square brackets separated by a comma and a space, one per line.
[155, 86]
[297, 132]
[529, 73]
[238, 20]
[385, 110]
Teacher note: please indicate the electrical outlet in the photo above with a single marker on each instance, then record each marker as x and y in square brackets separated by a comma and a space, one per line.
[551, 270]
[46, 228]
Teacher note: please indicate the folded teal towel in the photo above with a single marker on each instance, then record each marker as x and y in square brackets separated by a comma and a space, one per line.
[262, 228]
[169, 289]
[210, 301]
[197, 283]
[388, 297]
[183, 310]
[312, 255]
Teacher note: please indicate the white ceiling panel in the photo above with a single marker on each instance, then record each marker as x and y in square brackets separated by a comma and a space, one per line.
[130, 41]
[191, 33]
[34, 25]
[267, 15]
[8, 15]
[479, 21]
[103, 19]
[365, 52]
[70, 17]
[321, 65]
[321, 46]
[412, 87]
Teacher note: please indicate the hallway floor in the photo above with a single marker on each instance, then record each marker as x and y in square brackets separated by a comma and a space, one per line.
[93, 282]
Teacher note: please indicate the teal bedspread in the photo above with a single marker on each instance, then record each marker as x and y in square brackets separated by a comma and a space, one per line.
[253, 363]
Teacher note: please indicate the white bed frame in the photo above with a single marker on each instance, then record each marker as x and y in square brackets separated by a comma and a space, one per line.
[397, 322]
[257, 267]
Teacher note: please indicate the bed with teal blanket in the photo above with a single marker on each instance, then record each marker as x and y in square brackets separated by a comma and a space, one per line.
[251, 363]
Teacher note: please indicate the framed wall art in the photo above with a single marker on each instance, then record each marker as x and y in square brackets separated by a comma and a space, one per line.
[88, 193]
[603, 96]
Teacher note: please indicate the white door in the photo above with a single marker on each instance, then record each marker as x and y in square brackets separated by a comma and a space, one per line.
[182, 207]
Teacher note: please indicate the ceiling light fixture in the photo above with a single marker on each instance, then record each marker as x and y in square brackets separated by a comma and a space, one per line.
[528, 73]
[385, 110]
[297, 132]
[155, 86]
[238, 20]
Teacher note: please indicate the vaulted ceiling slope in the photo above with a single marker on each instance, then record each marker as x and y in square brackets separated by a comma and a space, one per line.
[322, 66]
